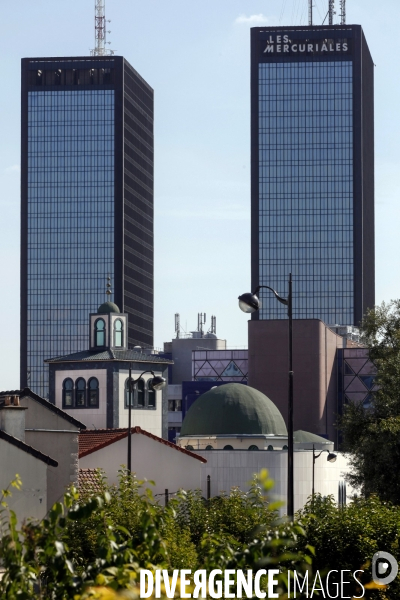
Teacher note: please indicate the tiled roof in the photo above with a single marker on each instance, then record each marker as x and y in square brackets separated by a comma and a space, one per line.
[45, 403]
[28, 449]
[91, 440]
[119, 355]
[89, 481]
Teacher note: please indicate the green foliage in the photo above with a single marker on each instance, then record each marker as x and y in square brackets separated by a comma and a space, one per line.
[95, 546]
[348, 537]
[372, 437]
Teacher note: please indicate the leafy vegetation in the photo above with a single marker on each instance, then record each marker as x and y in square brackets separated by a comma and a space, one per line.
[95, 546]
[372, 437]
[348, 537]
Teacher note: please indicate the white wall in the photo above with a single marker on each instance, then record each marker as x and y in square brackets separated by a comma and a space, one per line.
[148, 419]
[31, 500]
[167, 467]
[91, 417]
[229, 468]
[56, 437]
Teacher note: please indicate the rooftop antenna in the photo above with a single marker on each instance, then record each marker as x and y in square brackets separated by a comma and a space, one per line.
[201, 319]
[310, 7]
[108, 288]
[343, 12]
[100, 32]
[213, 328]
[331, 11]
[177, 324]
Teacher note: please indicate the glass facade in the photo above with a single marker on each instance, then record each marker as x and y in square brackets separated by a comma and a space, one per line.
[305, 172]
[220, 365]
[70, 211]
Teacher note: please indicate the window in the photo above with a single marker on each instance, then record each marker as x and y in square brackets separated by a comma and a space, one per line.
[140, 393]
[270, 448]
[80, 392]
[209, 447]
[174, 405]
[93, 392]
[143, 396]
[253, 447]
[151, 395]
[228, 447]
[68, 393]
[285, 447]
[127, 395]
[100, 333]
[118, 333]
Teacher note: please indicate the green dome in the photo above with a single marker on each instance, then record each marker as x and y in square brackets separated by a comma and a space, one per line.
[233, 409]
[305, 437]
[108, 307]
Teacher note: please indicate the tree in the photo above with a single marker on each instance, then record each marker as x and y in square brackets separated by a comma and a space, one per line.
[372, 436]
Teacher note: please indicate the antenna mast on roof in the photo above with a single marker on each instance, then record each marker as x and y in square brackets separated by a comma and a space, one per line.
[310, 7]
[201, 319]
[177, 324]
[343, 12]
[100, 34]
[331, 11]
[213, 328]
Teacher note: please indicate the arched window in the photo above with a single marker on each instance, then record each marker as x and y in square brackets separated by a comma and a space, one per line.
[151, 396]
[189, 447]
[127, 394]
[68, 393]
[118, 333]
[80, 392]
[228, 447]
[209, 447]
[270, 448]
[284, 448]
[100, 333]
[253, 447]
[140, 393]
[93, 392]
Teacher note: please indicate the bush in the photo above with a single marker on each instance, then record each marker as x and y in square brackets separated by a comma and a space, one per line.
[95, 546]
[348, 537]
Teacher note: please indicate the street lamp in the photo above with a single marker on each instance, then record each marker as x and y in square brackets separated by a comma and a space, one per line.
[250, 303]
[156, 383]
[330, 458]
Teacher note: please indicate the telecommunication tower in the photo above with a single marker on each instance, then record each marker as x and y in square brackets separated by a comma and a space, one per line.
[343, 12]
[100, 32]
[213, 328]
[331, 11]
[310, 11]
[177, 324]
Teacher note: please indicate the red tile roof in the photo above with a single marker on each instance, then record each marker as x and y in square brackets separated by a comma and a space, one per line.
[91, 440]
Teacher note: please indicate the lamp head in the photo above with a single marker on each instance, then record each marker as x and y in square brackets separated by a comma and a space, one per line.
[249, 303]
[331, 457]
[157, 383]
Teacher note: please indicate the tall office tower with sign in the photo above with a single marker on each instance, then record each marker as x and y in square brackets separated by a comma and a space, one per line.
[312, 178]
[87, 204]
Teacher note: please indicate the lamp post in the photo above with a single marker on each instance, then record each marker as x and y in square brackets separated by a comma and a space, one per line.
[330, 458]
[157, 383]
[250, 303]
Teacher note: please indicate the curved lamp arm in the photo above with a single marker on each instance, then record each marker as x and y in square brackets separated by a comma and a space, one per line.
[277, 296]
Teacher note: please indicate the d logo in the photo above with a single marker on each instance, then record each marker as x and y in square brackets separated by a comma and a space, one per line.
[380, 565]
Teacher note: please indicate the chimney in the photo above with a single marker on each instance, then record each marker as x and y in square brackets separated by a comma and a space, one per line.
[12, 417]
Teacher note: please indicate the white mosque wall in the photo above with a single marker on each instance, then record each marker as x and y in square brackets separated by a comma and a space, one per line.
[93, 418]
[236, 468]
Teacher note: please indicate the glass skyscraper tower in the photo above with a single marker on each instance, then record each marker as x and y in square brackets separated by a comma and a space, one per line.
[87, 204]
[312, 178]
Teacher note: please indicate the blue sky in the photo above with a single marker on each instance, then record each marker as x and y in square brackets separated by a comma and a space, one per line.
[196, 57]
